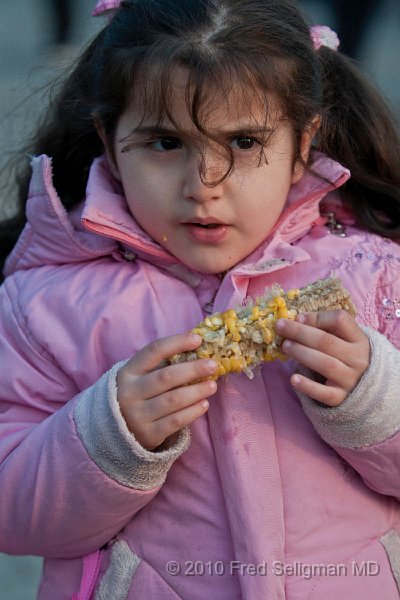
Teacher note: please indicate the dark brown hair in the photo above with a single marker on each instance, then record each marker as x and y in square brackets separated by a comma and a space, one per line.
[262, 44]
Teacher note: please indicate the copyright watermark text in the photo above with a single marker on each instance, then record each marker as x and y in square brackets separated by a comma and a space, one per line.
[198, 568]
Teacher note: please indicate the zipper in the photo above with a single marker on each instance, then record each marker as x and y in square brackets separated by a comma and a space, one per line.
[127, 239]
[90, 573]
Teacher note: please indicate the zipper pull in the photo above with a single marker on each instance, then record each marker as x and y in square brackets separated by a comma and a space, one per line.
[334, 226]
[130, 256]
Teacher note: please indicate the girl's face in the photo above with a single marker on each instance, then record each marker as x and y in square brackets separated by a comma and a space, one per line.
[210, 228]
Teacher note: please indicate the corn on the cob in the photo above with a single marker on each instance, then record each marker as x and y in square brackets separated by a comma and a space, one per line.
[239, 340]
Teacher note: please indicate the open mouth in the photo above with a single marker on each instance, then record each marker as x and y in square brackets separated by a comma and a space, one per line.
[208, 225]
[208, 233]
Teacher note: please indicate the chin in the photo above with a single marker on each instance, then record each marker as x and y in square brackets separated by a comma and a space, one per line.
[211, 269]
[208, 262]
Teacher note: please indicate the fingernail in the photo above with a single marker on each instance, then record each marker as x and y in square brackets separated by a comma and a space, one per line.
[280, 324]
[205, 404]
[195, 338]
[295, 380]
[212, 386]
[301, 318]
[211, 365]
[286, 345]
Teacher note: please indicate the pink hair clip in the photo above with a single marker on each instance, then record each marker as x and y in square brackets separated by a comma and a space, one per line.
[104, 6]
[321, 35]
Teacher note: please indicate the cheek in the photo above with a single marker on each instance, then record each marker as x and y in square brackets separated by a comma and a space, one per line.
[142, 208]
[260, 217]
[141, 192]
[267, 198]
[149, 210]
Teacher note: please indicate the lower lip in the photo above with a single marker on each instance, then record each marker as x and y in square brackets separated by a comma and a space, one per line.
[207, 235]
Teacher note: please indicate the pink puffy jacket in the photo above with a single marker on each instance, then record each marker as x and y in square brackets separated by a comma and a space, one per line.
[269, 496]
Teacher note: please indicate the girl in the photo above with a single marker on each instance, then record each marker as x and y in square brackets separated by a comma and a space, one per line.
[176, 176]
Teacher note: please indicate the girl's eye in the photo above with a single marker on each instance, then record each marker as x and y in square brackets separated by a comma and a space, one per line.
[244, 142]
[165, 144]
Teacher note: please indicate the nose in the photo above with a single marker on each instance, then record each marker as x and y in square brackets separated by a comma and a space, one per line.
[202, 179]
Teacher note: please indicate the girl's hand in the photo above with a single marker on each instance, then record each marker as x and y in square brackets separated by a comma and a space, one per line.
[332, 344]
[158, 400]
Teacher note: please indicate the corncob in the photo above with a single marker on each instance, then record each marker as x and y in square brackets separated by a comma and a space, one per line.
[239, 340]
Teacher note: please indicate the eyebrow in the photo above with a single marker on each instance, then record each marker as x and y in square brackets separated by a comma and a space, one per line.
[150, 130]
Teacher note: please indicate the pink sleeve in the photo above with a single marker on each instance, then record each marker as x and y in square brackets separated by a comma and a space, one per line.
[378, 465]
[62, 494]
[365, 428]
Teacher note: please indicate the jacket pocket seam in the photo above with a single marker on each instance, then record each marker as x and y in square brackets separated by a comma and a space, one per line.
[346, 559]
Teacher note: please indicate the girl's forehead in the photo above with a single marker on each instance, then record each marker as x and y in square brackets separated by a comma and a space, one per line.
[216, 105]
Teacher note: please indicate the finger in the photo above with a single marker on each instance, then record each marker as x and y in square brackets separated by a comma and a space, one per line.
[327, 394]
[315, 338]
[337, 322]
[149, 357]
[329, 367]
[177, 399]
[174, 376]
[166, 426]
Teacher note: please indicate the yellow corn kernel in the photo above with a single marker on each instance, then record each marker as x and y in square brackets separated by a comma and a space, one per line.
[236, 364]
[255, 313]
[221, 371]
[280, 302]
[226, 363]
[283, 313]
[293, 293]
[267, 335]
[232, 329]
[203, 353]
[230, 323]
[229, 314]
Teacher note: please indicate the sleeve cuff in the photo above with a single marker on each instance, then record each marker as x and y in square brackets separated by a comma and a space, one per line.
[371, 413]
[108, 441]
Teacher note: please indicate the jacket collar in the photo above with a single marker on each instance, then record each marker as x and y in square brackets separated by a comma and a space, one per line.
[305, 208]
[53, 236]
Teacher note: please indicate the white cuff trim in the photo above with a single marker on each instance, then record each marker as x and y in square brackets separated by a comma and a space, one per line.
[371, 413]
[108, 441]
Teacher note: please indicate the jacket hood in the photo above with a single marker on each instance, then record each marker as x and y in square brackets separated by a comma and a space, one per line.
[101, 225]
